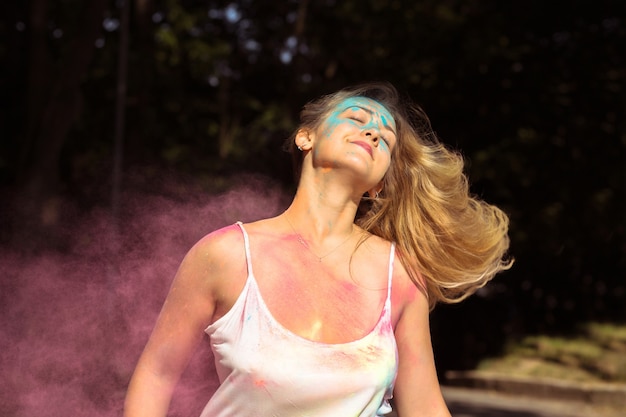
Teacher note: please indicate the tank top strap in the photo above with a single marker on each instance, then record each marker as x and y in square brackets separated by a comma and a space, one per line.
[246, 241]
[392, 253]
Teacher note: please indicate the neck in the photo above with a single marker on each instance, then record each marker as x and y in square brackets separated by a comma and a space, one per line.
[322, 211]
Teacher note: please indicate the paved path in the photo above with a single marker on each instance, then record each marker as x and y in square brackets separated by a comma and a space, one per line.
[464, 402]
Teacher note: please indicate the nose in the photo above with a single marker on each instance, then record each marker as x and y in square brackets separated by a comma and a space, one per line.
[373, 135]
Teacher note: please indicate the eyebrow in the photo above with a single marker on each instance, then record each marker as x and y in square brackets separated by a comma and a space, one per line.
[371, 113]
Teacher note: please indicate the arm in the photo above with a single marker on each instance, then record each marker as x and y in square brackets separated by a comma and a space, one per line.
[417, 392]
[188, 309]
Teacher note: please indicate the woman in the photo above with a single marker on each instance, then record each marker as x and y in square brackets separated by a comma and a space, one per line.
[323, 310]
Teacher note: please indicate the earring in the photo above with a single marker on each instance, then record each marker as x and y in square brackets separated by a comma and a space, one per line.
[376, 194]
[300, 148]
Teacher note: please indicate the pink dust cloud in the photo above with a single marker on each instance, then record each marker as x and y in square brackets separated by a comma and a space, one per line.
[74, 323]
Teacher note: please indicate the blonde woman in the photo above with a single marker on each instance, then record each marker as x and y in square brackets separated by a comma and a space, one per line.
[323, 310]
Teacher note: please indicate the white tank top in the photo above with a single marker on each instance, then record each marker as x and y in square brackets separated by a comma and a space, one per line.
[265, 370]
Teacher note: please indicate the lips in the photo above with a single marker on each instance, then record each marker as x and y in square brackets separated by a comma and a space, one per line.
[364, 145]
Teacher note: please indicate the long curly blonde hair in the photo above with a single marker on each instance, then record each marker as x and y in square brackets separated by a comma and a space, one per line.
[450, 242]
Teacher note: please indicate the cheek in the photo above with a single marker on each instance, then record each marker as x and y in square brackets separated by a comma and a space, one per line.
[385, 151]
[332, 123]
[384, 167]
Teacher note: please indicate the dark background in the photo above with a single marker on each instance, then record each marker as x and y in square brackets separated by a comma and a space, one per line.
[177, 113]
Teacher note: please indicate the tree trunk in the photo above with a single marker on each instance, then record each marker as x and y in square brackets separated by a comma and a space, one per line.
[51, 116]
[38, 76]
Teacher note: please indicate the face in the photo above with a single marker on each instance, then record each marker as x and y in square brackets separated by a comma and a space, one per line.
[359, 133]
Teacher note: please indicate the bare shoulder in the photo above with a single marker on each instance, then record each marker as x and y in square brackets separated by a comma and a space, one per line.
[216, 260]
[268, 226]
[219, 244]
[376, 247]
[226, 246]
[408, 292]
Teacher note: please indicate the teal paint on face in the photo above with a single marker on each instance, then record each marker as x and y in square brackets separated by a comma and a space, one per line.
[363, 113]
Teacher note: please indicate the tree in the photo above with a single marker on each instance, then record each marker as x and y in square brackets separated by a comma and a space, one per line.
[53, 103]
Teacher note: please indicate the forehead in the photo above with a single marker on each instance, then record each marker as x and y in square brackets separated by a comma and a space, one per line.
[369, 105]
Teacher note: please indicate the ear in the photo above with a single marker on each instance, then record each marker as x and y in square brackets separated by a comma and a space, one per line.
[374, 192]
[304, 139]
